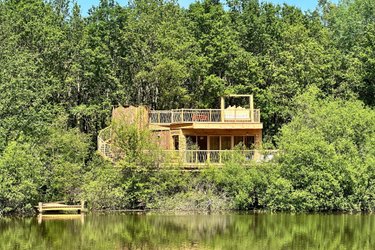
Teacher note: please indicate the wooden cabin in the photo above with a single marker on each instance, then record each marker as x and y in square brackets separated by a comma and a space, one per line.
[204, 135]
[198, 136]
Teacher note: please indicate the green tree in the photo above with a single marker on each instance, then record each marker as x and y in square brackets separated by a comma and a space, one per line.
[64, 153]
[327, 154]
[21, 178]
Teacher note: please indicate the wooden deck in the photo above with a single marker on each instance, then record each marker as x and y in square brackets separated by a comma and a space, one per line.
[229, 115]
[61, 207]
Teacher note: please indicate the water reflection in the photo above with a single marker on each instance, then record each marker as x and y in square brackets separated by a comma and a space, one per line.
[54, 217]
[220, 231]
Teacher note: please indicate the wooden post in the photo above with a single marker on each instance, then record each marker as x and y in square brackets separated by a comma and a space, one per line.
[251, 99]
[208, 149]
[256, 155]
[182, 115]
[222, 107]
[82, 205]
[40, 219]
[40, 205]
[220, 150]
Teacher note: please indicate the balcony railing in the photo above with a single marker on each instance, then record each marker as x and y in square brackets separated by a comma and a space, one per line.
[105, 148]
[199, 157]
[203, 115]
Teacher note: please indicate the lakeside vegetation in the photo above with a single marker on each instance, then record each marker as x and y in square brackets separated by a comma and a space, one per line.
[312, 74]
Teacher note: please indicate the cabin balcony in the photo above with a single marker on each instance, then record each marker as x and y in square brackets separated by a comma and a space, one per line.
[196, 158]
[228, 115]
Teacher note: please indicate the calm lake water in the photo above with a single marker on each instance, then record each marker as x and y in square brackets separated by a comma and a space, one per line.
[197, 231]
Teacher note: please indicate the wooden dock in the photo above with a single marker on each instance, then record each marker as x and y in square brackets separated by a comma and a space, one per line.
[61, 207]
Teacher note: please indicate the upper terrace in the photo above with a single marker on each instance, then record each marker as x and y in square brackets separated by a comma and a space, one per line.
[231, 114]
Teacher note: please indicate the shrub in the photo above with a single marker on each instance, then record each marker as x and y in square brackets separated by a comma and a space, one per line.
[327, 152]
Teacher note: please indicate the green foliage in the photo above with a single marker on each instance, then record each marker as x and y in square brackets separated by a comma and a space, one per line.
[51, 170]
[20, 178]
[244, 187]
[327, 149]
[102, 186]
[137, 144]
[64, 153]
[144, 182]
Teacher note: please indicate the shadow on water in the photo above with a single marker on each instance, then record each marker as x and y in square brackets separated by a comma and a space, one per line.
[190, 231]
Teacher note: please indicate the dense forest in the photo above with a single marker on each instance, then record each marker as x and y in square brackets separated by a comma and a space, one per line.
[312, 74]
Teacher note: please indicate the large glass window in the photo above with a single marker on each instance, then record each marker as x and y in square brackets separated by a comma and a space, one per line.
[191, 142]
[214, 142]
[249, 142]
[202, 142]
[226, 142]
[238, 140]
[214, 146]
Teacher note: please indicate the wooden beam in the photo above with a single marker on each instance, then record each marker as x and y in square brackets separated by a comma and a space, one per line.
[235, 95]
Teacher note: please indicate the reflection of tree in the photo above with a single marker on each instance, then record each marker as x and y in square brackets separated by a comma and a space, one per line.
[229, 231]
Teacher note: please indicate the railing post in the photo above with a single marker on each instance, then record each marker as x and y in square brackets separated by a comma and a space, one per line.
[222, 108]
[251, 108]
[159, 117]
[210, 120]
[40, 218]
[40, 205]
[182, 115]
[172, 114]
[82, 205]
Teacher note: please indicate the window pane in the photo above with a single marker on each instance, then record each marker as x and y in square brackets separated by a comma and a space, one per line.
[238, 140]
[191, 142]
[214, 142]
[202, 142]
[249, 141]
[226, 143]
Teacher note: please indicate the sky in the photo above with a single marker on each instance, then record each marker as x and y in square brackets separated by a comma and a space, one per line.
[303, 4]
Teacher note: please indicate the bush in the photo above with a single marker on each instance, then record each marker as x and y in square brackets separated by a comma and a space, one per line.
[328, 149]
[20, 178]
[243, 184]
[102, 186]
